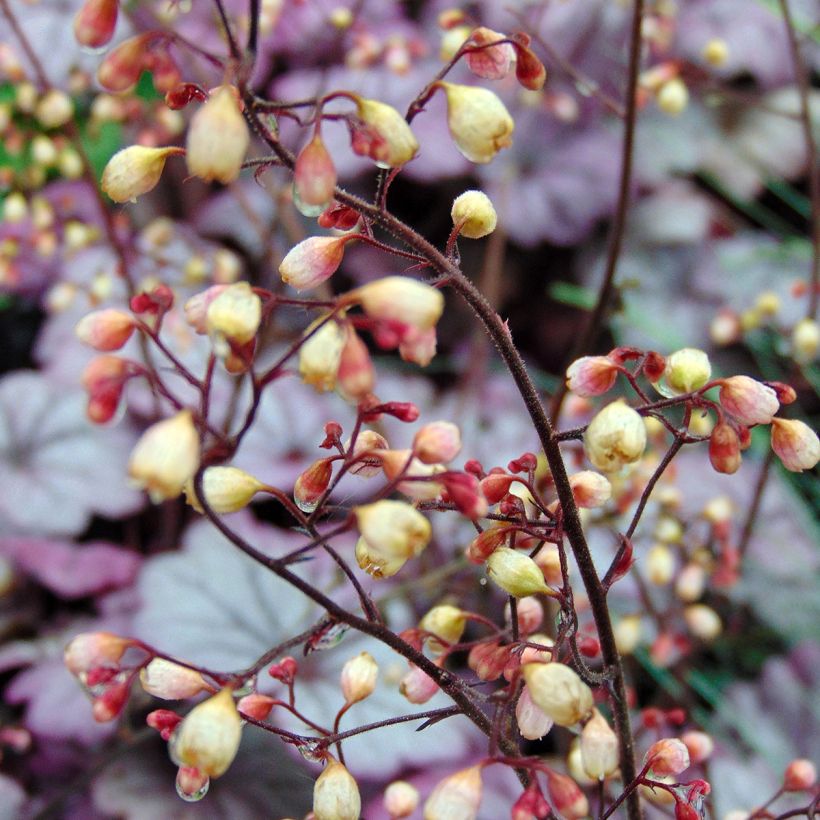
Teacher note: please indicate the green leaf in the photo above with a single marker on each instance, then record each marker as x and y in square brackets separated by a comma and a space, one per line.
[101, 144]
[568, 293]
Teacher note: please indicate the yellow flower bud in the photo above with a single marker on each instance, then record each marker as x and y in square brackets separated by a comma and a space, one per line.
[226, 489]
[457, 796]
[386, 138]
[673, 97]
[615, 437]
[335, 794]
[446, 622]
[134, 171]
[208, 738]
[393, 532]
[559, 691]
[234, 314]
[479, 123]
[599, 747]
[321, 354]
[170, 681]
[401, 299]
[54, 109]
[687, 370]
[218, 138]
[473, 214]
[359, 677]
[716, 52]
[703, 622]
[166, 457]
[805, 341]
[690, 583]
[516, 573]
[660, 565]
[400, 799]
[627, 634]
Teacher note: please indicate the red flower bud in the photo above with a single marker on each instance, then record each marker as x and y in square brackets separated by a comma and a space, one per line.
[338, 216]
[402, 410]
[485, 543]
[465, 492]
[184, 93]
[95, 22]
[654, 366]
[724, 449]
[159, 300]
[529, 70]
[488, 660]
[122, 67]
[285, 670]
[495, 486]
[164, 721]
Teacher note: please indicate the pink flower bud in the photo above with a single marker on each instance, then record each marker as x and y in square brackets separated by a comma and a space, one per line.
[747, 400]
[170, 681]
[418, 346]
[95, 22]
[531, 804]
[530, 614]
[359, 677]
[356, 376]
[111, 702]
[417, 686]
[493, 62]
[800, 775]
[667, 756]
[464, 491]
[104, 378]
[699, 745]
[311, 484]
[488, 660]
[256, 706]
[437, 443]
[402, 410]
[724, 449]
[313, 260]
[382, 134]
[457, 796]
[495, 486]
[400, 799]
[163, 68]
[164, 721]
[191, 783]
[105, 330]
[590, 489]
[338, 216]
[285, 670]
[591, 375]
[796, 444]
[314, 178]
[156, 302]
[196, 308]
[567, 798]
[90, 650]
[533, 721]
[403, 463]
[122, 67]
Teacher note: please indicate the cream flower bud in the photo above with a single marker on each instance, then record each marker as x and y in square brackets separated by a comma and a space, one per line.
[314, 178]
[105, 330]
[457, 797]
[393, 531]
[796, 444]
[89, 650]
[166, 457]
[533, 722]
[716, 52]
[446, 622]
[234, 314]
[400, 799]
[660, 565]
[703, 622]
[336, 794]
[313, 260]
[134, 171]
[226, 489]
[321, 354]
[196, 308]
[437, 442]
[558, 691]
[590, 489]
[386, 137]
[599, 747]
[516, 573]
[473, 214]
[54, 109]
[401, 299]
[375, 563]
[690, 583]
[368, 464]
[479, 123]
[748, 400]
[569, 801]
[218, 138]
[208, 737]
[615, 437]
[687, 370]
[699, 744]
[359, 677]
[673, 97]
[591, 375]
[628, 634]
[805, 341]
[667, 756]
[170, 681]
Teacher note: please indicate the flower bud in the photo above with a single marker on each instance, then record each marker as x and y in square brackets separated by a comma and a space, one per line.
[122, 67]
[91, 650]
[313, 260]
[95, 22]
[234, 314]
[164, 721]
[748, 400]
[703, 622]
[615, 437]
[311, 484]
[699, 745]
[445, 622]
[218, 138]
[359, 676]
[716, 52]
[690, 583]
[482, 546]
[105, 330]
[488, 660]
[321, 354]
[530, 614]
[383, 134]
[591, 375]
[393, 531]
[660, 565]
[196, 308]
[256, 706]
[479, 123]
[314, 178]
[667, 756]
[437, 442]
[805, 341]
[104, 378]
[473, 214]
[400, 799]
[356, 376]
[464, 490]
[54, 109]
[673, 97]
[493, 62]
[800, 775]
[170, 681]
[457, 796]
[796, 444]
[559, 691]
[191, 784]
[208, 737]
[529, 70]
[627, 634]
[549, 562]
[533, 722]
[226, 489]
[599, 747]
[418, 346]
[567, 798]
[417, 686]
[367, 463]
[111, 702]
[687, 370]
[401, 299]
[590, 489]
[533, 654]
[724, 449]
[335, 794]
[134, 171]
[516, 573]
[166, 457]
